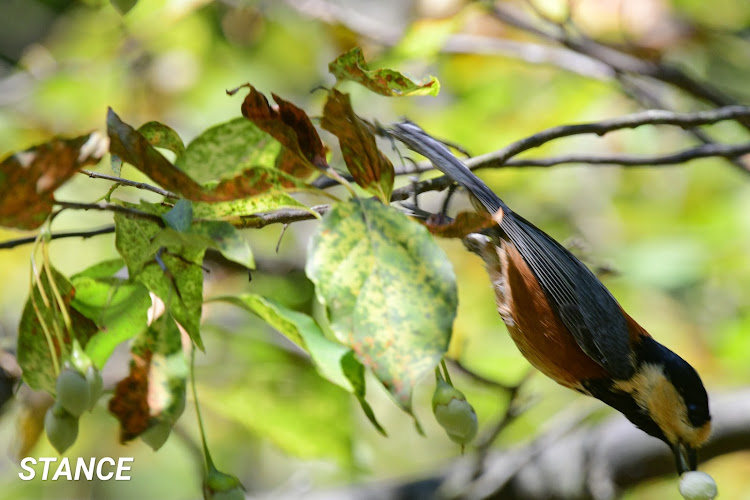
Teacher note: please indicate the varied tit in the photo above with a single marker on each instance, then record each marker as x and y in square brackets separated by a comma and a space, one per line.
[570, 327]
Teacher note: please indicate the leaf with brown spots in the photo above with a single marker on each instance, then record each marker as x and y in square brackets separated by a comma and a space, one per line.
[464, 224]
[369, 167]
[29, 178]
[40, 321]
[389, 290]
[352, 66]
[288, 124]
[155, 386]
[134, 148]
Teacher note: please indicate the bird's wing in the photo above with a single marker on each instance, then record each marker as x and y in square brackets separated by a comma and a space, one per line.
[583, 303]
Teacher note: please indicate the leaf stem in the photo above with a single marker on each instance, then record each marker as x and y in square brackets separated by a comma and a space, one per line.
[207, 454]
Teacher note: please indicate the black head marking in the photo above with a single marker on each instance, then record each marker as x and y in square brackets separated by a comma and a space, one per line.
[683, 376]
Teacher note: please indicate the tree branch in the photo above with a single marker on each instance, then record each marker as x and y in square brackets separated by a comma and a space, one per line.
[110, 207]
[619, 61]
[4, 245]
[126, 182]
[600, 128]
[569, 462]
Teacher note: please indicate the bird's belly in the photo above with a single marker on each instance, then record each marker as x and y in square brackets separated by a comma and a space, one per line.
[535, 328]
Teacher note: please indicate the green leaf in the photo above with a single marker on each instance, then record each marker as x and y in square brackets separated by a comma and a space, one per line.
[352, 66]
[133, 239]
[162, 136]
[389, 289]
[219, 235]
[369, 167]
[29, 178]
[34, 344]
[103, 269]
[335, 362]
[266, 202]
[155, 386]
[227, 149]
[180, 217]
[286, 402]
[118, 307]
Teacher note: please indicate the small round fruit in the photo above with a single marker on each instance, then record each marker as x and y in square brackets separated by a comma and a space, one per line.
[220, 486]
[233, 494]
[156, 434]
[697, 485]
[61, 427]
[96, 385]
[454, 413]
[73, 392]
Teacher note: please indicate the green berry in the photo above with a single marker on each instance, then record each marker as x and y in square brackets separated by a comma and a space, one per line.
[61, 427]
[156, 434]
[123, 6]
[454, 413]
[696, 485]
[73, 392]
[220, 486]
[233, 494]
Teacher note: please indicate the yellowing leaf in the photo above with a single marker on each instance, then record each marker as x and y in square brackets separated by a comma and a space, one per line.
[352, 66]
[369, 167]
[29, 178]
[389, 289]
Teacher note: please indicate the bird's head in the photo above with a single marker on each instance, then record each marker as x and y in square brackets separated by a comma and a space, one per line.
[665, 398]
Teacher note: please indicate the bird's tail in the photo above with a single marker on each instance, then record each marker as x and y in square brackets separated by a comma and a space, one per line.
[420, 141]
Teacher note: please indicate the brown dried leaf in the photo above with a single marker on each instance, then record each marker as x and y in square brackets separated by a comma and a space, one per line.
[288, 124]
[130, 402]
[369, 167]
[29, 178]
[464, 224]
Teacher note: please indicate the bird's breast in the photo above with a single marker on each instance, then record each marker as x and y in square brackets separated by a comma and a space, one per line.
[535, 328]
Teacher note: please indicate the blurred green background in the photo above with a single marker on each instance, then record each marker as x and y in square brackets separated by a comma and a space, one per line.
[677, 237]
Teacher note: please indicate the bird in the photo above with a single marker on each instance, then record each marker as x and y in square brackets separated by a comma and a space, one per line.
[569, 326]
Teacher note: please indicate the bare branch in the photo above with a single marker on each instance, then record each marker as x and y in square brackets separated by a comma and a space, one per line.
[568, 462]
[126, 182]
[703, 151]
[631, 121]
[4, 245]
[283, 216]
[110, 207]
[620, 62]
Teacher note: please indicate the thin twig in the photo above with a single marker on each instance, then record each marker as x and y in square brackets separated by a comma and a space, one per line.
[697, 152]
[56, 236]
[618, 60]
[631, 121]
[110, 207]
[283, 216]
[126, 182]
[476, 377]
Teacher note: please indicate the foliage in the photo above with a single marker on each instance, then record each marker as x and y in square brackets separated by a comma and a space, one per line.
[378, 305]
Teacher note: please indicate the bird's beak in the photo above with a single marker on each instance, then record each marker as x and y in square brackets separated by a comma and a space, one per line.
[685, 457]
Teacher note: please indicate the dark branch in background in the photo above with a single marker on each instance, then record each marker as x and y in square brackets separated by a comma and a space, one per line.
[620, 61]
[623, 64]
[569, 462]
